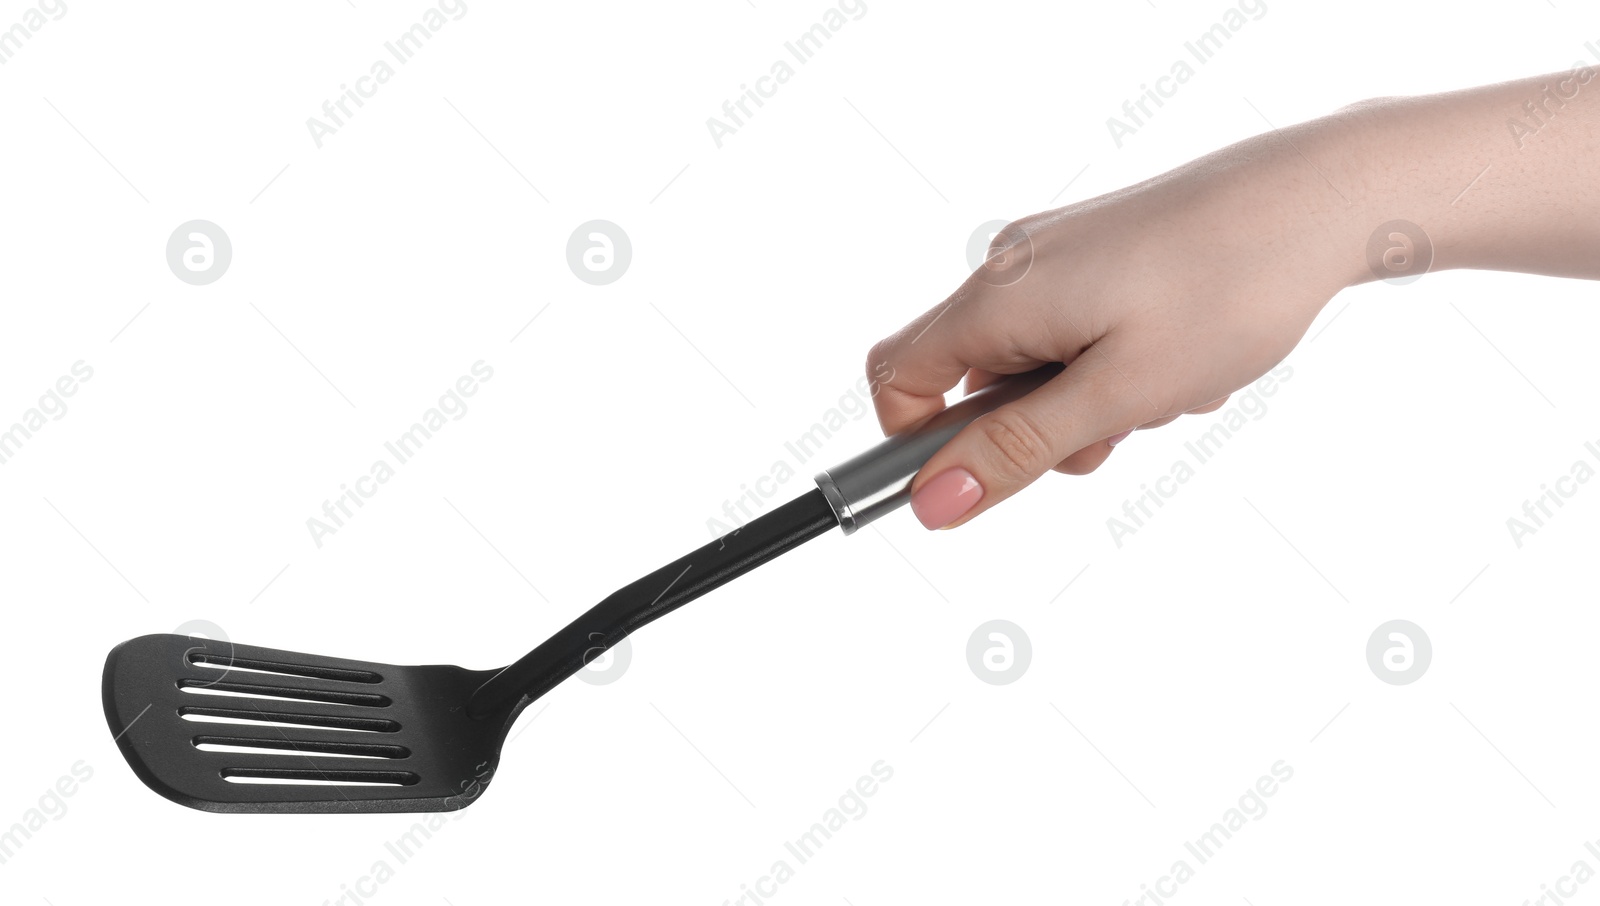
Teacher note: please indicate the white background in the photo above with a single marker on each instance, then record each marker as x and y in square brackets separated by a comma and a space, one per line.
[1227, 635]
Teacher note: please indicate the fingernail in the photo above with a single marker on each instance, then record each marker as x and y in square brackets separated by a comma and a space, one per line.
[1115, 439]
[946, 497]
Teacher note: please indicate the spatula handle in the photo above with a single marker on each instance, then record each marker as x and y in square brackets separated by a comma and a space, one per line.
[878, 482]
[854, 494]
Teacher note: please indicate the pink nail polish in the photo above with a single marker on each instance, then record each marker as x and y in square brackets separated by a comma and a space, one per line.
[946, 497]
[1115, 439]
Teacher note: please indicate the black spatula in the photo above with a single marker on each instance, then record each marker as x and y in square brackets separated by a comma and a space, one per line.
[234, 728]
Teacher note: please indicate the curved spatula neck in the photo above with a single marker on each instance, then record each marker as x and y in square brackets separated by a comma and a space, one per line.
[652, 597]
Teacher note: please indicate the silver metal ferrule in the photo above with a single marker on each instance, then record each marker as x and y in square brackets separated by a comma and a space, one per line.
[877, 482]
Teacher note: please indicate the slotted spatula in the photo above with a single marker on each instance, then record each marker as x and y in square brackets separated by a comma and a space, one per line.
[235, 728]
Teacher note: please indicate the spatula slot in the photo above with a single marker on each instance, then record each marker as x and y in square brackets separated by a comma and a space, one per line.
[319, 778]
[226, 662]
[250, 690]
[244, 745]
[275, 719]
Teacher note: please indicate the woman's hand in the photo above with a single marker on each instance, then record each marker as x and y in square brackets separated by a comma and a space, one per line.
[1165, 297]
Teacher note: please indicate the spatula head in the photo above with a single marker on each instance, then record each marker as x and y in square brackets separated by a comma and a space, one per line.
[234, 728]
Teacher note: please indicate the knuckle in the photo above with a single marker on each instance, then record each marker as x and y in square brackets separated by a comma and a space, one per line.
[1021, 448]
[878, 359]
[879, 368]
[1007, 235]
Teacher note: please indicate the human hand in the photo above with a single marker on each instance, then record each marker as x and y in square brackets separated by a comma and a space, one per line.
[1165, 297]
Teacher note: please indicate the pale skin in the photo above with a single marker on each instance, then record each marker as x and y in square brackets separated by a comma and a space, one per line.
[1165, 297]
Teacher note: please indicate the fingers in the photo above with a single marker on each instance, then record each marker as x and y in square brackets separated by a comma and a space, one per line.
[1086, 460]
[977, 379]
[911, 382]
[1094, 456]
[981, 332]
[1006, 450]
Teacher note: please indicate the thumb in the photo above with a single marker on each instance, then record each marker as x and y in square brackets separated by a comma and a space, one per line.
[1004, 451]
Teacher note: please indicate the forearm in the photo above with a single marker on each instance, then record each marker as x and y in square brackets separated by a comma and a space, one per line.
[1501, 177]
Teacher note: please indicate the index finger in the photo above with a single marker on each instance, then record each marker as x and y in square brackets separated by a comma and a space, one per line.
[913, 368]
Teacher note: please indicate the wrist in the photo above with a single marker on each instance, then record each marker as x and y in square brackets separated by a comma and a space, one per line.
[1404, 174]
[1465, 178]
